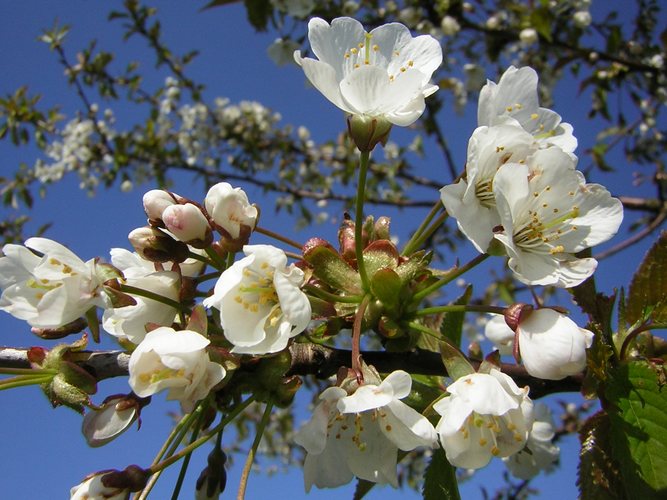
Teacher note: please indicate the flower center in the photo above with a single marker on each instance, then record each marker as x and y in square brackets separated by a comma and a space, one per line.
[160, 374]
[545, 224]
[257, 288]
[367, 54]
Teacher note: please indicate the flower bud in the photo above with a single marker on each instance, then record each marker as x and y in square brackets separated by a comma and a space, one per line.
[232, 214]
[157, 246]
[213, 479]
[528, 36]
[367, 131]
[188, 224]
[92, 488]
[155, 201]
[114, 417]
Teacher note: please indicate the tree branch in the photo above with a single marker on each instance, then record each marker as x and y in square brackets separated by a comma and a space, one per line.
[314, 359]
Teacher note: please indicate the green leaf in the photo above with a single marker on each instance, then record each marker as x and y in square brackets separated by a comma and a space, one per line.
[259, 12]
[648, 288]
[598, 476]
[440, 479]
[638, 415]
[452, 325]
[455, 361]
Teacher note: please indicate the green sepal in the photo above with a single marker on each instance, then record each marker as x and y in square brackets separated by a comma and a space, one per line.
[386, 285]
[329, 267]
[93, 324]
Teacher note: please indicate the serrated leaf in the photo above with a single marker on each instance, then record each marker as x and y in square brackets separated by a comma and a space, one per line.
[598, 477]
[649, 284]
[638, 416]
[440, 479]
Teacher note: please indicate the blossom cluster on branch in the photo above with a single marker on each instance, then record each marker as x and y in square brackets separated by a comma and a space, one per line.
[196, 301]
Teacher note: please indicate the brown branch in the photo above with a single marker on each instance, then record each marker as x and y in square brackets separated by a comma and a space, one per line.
[317, 360]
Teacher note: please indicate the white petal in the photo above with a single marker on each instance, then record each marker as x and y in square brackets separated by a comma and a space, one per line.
[323, 77]
[483, 393]
[406, 427]
[329, 43]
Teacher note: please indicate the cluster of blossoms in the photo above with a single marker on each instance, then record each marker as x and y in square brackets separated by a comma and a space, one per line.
[521, 196]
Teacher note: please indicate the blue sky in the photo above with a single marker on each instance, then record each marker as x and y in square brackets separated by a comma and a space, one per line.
[45, 453]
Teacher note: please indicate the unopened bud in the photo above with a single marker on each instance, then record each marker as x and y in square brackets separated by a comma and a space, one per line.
[188, 224]
[157, 246]
[114, 417]
[155, 201]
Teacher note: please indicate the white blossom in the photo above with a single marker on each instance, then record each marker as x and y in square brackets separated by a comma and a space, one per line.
[281, 51]
[260, 302]
[472, 200]
[50, 290]
[528, 36]
[540, 453]
[548, 213]
[359, 434]
[382, 74]
[130, 321]
[230, 209]
[502, 336]
[515, 96]
[176, 361]
[187, 223]
[485, 416]
[450, 26]
[582, 19]
[551, 345]
[100, 426]
[93, 489]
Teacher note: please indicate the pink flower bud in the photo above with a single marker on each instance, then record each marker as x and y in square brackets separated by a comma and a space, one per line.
[155, 201]
[188, 224]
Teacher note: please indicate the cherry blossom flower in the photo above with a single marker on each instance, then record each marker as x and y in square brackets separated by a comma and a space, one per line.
[472, 200]
[359, 434]
[114, 417]
[230, 209]
[486, 416]
[130, 321]
[260, 302]
[548, 213]
[515, 96]
[50, 290]
[93, 488]
[188, 224]
[177, 361]
[502, 336]
[382, 74]
[540, 453]
[552, 346]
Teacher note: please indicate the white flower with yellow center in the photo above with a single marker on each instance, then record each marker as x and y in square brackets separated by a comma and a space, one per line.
[486, 416]
[359, 434]
[260, 301]
[47, 290]
[130, 321]
[176, 361]
[540, 453]
[382, 74]
[515, 96]
[472, 201]
[548, 213]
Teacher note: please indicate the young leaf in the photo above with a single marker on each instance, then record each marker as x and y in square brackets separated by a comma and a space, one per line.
[638, 415]
[598, 476]
[649, 284]
[440, 479]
